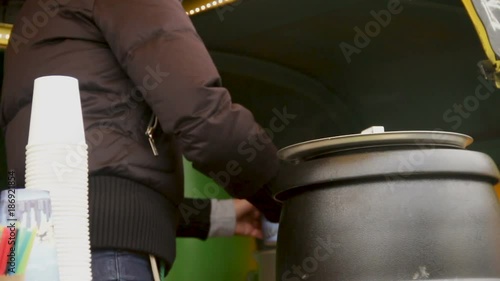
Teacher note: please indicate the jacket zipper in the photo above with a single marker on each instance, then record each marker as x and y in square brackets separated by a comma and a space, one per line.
[153, 122]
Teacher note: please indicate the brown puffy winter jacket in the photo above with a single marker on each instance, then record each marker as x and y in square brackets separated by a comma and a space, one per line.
[135, 58]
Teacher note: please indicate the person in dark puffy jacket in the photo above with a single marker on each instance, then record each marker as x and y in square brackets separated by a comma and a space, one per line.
[136, 61]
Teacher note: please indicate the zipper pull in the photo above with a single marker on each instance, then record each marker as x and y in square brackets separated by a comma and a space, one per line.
[149, 132]
[153, 145]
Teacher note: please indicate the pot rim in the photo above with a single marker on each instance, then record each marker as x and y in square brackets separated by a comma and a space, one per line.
[309, 149]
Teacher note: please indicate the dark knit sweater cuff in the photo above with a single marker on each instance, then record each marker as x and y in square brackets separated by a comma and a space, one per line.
[194, 218]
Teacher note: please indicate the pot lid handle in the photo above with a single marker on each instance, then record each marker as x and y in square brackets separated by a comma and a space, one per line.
[373, 130]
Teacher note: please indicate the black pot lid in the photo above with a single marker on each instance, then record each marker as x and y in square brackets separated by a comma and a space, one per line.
[371, 138]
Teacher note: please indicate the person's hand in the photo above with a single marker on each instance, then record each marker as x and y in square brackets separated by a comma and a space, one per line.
[248, 219]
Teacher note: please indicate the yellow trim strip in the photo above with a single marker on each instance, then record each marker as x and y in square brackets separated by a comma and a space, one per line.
[481, 30]
[483, 37]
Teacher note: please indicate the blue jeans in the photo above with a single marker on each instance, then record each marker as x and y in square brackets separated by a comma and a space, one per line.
[115, 265]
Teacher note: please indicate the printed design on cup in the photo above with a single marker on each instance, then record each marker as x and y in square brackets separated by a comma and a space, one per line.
[29, 213]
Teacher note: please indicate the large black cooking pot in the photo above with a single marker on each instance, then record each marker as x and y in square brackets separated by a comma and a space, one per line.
[388, 206]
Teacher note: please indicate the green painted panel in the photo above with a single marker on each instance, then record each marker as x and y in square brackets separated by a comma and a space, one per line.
[216, 259]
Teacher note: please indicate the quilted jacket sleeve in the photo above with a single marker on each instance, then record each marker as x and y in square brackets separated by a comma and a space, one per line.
[159, 48]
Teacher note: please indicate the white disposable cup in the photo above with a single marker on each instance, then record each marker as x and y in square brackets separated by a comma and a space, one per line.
[75, 202]
[73, 215]
[78, 208]
[70, 240]
[81, 244]
[69, 273]
[56, 163]
[79, 219]
[75, 209]
[72, 209]
[52, 166]
[73, 212]
[56, 155]
[74, 196]
[270, 231]
[78, 223]
[68, 249]
[63, 201]
[54, 169]
[68, 276]
[63, 188]
[57, 178]
[71, 236]
[76, 188]
[75, 268]
[70, 202]
[69, 149]
[70, 261]
[78, 147]
[68, 191]
[57, 173]
[54, 185]
[72, 265]
[56, 113]
[68, 216]
[67, 152]
[59, 163]
[60, 158]
[71, 205]
[72, 247]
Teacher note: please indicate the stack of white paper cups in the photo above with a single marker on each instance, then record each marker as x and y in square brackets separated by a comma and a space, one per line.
[56, 161]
